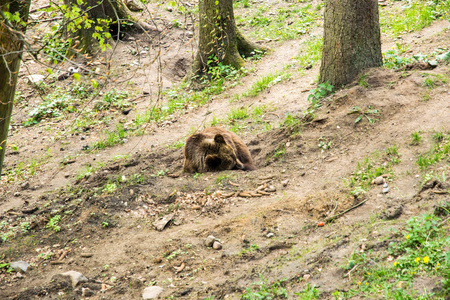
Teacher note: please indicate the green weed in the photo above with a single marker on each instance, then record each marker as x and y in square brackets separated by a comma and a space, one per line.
[364, 114]
[416, 138]
[264, 290]
[53, 223]
[265, 82]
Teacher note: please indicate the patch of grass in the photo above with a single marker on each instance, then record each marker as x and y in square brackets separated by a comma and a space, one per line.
[53, 223]
[109, 188]
[238, 114]
[264, 82]
[112, 138]
[439, 152]
[311, 52]
[418, 253]
[264, 290]
[412, 16]
[285, 23]
[280, 151]
[416, 138]
[177, 145]
[368, 169]
[309, 293]
[114, 98]
[292, 122]
[363, 80]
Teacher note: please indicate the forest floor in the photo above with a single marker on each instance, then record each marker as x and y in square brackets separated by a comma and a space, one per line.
[92, 178]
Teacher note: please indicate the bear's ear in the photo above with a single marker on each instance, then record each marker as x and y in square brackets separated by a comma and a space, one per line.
[213, 161]
[219, 139]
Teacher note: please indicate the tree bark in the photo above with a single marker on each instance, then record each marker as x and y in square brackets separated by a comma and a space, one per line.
[351, 40]
[112, 10]
[11, 34]
[219, 39]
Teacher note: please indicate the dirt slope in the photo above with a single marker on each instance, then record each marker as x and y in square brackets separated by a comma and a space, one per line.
[108, 233]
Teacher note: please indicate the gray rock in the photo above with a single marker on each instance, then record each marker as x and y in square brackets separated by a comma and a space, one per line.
[270, 234]
[385, 185]
[76, 277]
[19, 266]
[386, 190]
[217, 245]
[209, 241]
[189, 34]
[152, 292]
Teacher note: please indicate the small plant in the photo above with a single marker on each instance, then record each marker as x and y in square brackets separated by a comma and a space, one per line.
[415, 138]
[363, 80]
[367, 114]
[392, 151]
[309, 293]
[115, 98]
[265, 290]
[25, 226]
[281, 150]
[110, 188]
[105, 224]
[322, 90]
[438, 136]
[324, 145]
[238, 114]
[53, 224]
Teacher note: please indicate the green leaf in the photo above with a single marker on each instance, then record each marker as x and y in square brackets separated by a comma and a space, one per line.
[444, 56]
[76, 76]
[358, 119]
[94, 83]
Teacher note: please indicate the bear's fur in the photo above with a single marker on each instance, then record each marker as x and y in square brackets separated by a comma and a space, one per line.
[216, 149]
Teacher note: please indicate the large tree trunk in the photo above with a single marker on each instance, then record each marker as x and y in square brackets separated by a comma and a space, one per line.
[114, 11]
[10, 55]
[219, 39]
[351, 40]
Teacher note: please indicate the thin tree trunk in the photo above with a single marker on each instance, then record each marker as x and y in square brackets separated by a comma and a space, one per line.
[219, 39]
[10, 55]
[351, 40]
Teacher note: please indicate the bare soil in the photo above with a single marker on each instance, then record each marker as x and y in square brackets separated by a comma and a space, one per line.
[111, 238]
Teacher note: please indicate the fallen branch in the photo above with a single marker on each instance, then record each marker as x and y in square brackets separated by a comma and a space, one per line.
[329, 219]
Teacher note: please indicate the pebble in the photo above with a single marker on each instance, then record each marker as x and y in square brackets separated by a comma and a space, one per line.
[189, 34]
[270, 234]
[217, 245]
[75, 276]
[386, 190]
[19, 266]
[271, 189]
[385, 185]
[285, 182]
[152, 292]
[379, 180]
[306, 277]
[209, 241]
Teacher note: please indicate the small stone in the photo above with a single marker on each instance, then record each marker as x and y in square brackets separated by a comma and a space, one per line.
[270, 234]
[25, 185]
[19, 266]
[86, 292]
[271, 189]
[285, 182]
[209, 241]
[385, 185]
[152, 292]
[16, 194]
[189, 34]
[217, 245]
[386, 190]
[379, 180]
[169, 8]
[75, 276]
[306, 277]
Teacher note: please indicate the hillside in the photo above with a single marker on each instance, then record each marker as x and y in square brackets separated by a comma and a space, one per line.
[93, 176]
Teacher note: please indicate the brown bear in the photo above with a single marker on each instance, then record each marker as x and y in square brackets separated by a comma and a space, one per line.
[216, 149]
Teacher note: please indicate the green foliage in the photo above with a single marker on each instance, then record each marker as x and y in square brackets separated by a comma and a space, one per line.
[370, 168]
[112, 138]
[264, 82]
[53, 105]
[110, 188]
[367, 114]
[285, 23]
[439, 152]
[238, 114]
[116, 99]
[53, 223]
[309, 293]
[264, 290]
[279, 151]
[55, 46]
[413, 16]
[415, 138]
[311, 52]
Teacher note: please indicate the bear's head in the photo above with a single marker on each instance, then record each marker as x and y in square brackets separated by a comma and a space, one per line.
[221, 156]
